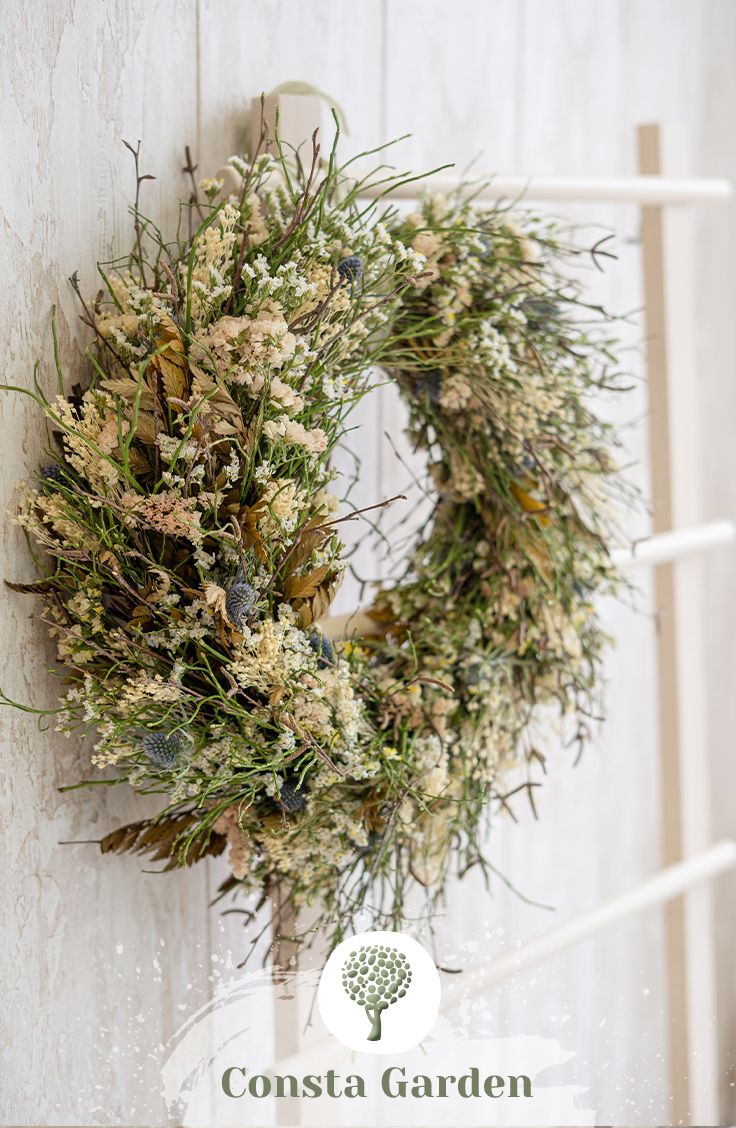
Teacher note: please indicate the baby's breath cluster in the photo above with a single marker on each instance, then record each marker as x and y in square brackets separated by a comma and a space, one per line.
[190, 524]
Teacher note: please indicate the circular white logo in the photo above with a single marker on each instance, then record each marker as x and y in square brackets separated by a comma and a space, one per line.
[379, 993]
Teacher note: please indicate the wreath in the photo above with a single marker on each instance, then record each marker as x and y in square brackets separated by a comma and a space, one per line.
[192, 540]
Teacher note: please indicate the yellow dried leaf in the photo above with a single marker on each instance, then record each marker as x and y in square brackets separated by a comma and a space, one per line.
[538, 553]
[530, 504]
[170, 359]
[174, 378]
[168, 333]
[276, 695]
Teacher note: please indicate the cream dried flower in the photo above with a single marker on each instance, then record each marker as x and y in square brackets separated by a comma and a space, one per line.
[240, 845]
[292, 433]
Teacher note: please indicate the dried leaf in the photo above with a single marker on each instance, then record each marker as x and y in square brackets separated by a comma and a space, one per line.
[222, 427]
[306, 586]
[121, 840]
[169, 335]
[158, 585]
[36, 588]
[310, 540]
[147, 428]
[216, 597]
[311, 608]
[128, 389]
[219, 400]
[138, 462]
[174, 378]
[537, 552]
[160, 838]
[370, 813]
[248, 518]
[276, 695]
[531, 504]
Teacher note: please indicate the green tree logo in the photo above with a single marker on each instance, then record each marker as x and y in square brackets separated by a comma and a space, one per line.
[374, 977]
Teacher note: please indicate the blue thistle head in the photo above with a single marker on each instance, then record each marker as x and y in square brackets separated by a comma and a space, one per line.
[55, 476]
[163, 749]
[428, 386]
[322, 647]
[292, 797]
[239, 602]
[351, 270]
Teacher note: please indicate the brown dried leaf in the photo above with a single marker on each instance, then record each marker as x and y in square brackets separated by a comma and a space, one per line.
[222, 427]
[276, 695]
[138, 462]
[313, 607]
[160, 839]
[248, 518]
[306, 586]
[127, 389]
[310, 540]
[109, 559]
[371, 816]
[147, 428]
[219, 400]
[121, 840]
[36, 588]
[174, 378]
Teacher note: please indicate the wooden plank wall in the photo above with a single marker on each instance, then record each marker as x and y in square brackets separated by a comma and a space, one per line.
[101, 961]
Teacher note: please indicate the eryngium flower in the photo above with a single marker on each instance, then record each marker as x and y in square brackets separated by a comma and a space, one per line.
[55, 475]
[239, 603]
[322, 647]
[292, 798]
[351, 269]
[162, 748]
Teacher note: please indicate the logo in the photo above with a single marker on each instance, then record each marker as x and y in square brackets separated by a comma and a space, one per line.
[379, 993]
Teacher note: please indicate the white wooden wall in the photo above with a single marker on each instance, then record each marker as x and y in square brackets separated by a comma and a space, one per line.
[102, 962]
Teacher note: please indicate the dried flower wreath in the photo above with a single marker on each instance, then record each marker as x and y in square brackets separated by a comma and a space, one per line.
[191, 542]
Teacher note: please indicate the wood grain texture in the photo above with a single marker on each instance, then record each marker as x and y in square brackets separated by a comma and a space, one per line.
[97, 962]
[103, 961]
